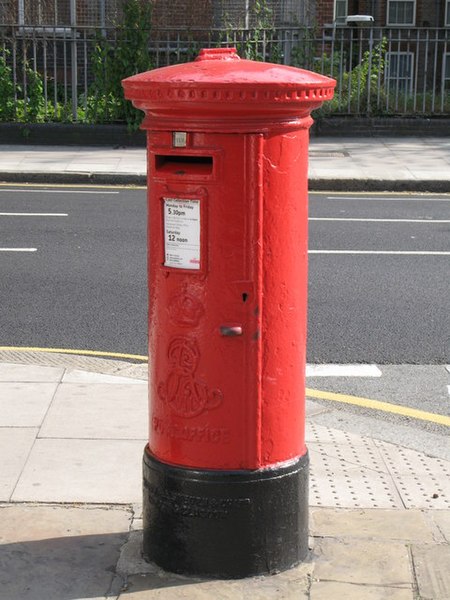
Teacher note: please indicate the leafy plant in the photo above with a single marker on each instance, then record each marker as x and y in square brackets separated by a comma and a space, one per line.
[24, 103]
[365, 79]
[259, 41]
[361, 88]
[33, 100]
[302, 53]
[263, 18]
[7, 104]
[112, 62]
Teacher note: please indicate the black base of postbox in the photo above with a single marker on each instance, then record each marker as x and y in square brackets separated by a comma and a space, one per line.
[226, 524]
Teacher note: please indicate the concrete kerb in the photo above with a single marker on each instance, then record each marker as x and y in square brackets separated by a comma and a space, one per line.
[343, 184]
[379, 185]
[74, 178]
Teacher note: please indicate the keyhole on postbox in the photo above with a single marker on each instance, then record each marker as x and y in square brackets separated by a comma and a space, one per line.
[244, 297]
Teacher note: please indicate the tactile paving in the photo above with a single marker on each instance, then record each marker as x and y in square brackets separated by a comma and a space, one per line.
[55, 359]
[422, 481]
[348, 471]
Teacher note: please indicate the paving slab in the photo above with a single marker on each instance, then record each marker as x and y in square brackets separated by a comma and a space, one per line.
[442, 520]
[366, 455]
[97, 411]
[59, 553]
[25, 404]
[15, 446]
[375, 524]
[79, 376]
[422, 481]
[332, 590]
[330, 435]
[362, 562]
[103, 471]
[334, 482]
[10, 372]
[314, 408]
[290, 585]
[137, 371]
[432, 569]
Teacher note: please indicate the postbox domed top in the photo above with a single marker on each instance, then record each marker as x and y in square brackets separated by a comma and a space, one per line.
[219, 83]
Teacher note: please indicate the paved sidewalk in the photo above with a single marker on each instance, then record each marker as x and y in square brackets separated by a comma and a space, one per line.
[348, 164]
[72, 433]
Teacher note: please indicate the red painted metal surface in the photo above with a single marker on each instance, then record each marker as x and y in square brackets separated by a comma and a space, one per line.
[227, 258]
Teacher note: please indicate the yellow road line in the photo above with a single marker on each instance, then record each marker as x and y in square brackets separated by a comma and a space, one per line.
[382, 406]
[72, 351]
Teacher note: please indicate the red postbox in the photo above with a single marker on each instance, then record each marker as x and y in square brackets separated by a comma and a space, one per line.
[226, 466]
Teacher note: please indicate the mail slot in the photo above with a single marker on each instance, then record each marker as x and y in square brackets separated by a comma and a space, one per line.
[172, 164]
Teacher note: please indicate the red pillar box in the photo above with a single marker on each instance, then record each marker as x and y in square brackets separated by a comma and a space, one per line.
[226, 466]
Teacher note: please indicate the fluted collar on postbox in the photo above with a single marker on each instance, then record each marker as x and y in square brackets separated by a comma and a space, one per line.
[219, 89]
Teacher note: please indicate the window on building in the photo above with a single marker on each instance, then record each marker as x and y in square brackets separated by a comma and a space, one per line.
[401, 12]
[46, 16]
[446, 72]
[447, 13]
[399, 71]
[340, 10]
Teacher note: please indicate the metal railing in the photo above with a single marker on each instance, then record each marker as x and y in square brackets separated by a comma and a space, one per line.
[48, 73]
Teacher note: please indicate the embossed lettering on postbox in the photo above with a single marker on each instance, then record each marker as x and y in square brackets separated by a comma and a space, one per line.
[185, 394]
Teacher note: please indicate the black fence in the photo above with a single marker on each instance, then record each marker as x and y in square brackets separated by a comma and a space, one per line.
[52, 73]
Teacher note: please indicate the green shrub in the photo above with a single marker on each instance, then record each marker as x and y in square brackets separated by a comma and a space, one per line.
[113, 62]
[7, 103]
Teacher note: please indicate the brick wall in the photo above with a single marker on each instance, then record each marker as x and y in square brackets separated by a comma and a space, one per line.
[182, 13]
[7, 12]
[209, 13]
[324, 12]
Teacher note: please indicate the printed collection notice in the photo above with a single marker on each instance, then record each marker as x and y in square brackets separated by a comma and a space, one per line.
[182, 233]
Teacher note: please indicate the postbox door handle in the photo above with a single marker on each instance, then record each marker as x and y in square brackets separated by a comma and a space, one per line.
[230, 330]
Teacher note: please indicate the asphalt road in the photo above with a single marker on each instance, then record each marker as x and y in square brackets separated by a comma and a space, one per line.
[84, 285]
[391, 304]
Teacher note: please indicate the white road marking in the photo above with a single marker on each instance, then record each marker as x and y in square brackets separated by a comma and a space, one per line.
[390, 198]
[333, 370]
[385, 252]
[18, 249]
[55, 192]
[448, 389]
[24, 214]
[380, 220]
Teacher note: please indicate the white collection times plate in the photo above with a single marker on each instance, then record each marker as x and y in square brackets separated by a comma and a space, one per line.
[182, 233]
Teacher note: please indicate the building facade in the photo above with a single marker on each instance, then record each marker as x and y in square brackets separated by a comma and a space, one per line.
[232, 13]
[387, 13]
[174, 14]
